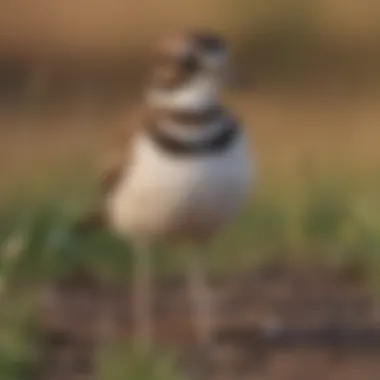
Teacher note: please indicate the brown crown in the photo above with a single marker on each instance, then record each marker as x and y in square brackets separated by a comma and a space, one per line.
[178, 57]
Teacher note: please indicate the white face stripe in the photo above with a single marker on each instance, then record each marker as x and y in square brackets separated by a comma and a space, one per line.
[198, 94]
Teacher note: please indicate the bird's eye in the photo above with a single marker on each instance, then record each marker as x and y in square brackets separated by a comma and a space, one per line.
[189, 62]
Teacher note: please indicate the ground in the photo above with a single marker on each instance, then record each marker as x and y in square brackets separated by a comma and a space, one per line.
[274, 323]
[317, 153]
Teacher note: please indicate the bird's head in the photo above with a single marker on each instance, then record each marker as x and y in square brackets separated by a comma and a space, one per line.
[182, 57]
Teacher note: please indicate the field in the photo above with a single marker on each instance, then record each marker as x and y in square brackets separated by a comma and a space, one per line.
[296, 278]
[315, 206]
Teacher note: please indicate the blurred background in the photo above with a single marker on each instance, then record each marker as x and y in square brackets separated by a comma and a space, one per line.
[71, 74]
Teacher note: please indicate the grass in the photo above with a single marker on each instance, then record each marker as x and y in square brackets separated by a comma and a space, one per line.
[118, 361]
[317, 196]
[19, 337]
[316, 200]
[324, 226]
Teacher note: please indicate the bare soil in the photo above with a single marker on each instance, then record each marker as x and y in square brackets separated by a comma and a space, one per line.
[277, 323]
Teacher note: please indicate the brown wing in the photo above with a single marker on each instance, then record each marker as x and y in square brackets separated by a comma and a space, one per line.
[116, 161]
[114, 165]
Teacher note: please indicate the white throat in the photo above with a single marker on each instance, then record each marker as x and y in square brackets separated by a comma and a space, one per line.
[196, 95]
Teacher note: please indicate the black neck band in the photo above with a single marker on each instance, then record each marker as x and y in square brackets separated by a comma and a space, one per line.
[178, 147]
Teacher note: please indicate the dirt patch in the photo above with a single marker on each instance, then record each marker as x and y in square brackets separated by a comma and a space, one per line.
[276, 323]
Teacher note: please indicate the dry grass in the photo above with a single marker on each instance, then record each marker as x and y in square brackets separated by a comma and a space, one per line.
[303, 142]
[317, 159]
[317, 151]
[103, 24]
[293, 136]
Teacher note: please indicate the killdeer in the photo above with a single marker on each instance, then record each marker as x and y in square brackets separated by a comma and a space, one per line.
[184, 174]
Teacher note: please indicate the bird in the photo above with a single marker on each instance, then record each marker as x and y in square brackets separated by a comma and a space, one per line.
[182, 176]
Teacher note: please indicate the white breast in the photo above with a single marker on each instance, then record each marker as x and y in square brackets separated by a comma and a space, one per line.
[167, 195]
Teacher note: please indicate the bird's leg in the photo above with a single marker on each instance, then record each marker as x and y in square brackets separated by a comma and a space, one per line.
[142, 293]
[201, 297]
